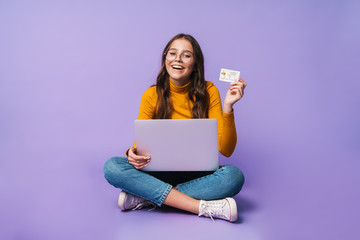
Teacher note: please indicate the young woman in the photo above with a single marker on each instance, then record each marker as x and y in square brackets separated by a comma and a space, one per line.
[181, 92]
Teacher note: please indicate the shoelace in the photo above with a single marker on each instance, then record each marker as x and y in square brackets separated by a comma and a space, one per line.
[138, 203]
[215, 208]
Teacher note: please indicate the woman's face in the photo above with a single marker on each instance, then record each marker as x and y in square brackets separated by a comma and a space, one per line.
[179, 61]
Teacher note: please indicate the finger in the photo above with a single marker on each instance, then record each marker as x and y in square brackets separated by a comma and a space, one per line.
[133, 149]
[133, 155]
[237, 84]
[139, 165]
[233, 91]
[242, 87]
[139, 161]
[242, 80]
[134, 163]
[241, 92]
[138, 157]
[236, 88]
[237, 92]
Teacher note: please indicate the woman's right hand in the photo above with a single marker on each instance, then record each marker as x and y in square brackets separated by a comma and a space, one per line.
[137, 161]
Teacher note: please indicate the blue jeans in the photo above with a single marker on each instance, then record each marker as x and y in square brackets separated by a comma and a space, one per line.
[227, 181]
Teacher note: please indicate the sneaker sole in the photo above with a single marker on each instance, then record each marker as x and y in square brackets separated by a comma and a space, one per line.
[233, 209]
[121, 200]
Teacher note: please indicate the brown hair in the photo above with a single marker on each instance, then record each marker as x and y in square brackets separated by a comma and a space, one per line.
[198, 94]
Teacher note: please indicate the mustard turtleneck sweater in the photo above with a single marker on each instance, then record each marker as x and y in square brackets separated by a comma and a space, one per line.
[182, 110]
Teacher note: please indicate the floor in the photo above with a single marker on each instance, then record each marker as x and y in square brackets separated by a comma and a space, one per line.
[57, 195]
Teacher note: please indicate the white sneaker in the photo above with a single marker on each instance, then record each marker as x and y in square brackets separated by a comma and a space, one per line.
[128, 201]
[224, 209]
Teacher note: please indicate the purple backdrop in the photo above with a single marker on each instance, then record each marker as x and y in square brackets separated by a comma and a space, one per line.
[72, 74]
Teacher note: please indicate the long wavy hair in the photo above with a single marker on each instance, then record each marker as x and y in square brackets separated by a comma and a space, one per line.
[197, 92]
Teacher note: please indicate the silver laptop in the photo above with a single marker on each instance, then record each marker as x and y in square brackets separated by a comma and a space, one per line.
[178, 144]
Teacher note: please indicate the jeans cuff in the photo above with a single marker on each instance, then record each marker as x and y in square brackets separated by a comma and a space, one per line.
[166, 192]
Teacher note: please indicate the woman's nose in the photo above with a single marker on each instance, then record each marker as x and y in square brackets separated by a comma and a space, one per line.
[178, 57]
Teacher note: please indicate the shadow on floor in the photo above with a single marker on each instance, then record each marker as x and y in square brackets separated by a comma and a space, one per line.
[243, 205]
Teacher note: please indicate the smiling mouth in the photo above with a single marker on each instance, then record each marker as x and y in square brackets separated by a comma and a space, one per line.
[177, 67]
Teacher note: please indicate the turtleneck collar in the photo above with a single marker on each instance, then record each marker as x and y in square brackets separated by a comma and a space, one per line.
[182, 89]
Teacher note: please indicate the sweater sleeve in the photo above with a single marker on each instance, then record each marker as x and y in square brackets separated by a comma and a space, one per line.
[226, 123]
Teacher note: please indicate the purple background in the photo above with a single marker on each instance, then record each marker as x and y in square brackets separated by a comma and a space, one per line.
[72, 74]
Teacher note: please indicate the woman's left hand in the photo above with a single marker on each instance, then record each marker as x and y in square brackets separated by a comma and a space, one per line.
[234, 94]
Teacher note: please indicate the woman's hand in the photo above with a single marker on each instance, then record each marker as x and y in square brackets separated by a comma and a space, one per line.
[137, 161]
[234, 94]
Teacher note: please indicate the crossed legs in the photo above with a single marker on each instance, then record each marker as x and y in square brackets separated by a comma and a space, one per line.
[227, 181]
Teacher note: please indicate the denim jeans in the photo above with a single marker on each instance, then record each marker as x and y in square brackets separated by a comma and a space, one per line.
[227, 181]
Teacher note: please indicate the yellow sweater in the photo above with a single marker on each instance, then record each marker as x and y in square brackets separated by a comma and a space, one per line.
[181, 110]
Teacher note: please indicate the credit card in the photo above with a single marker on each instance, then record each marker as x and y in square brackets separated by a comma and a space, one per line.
[229, 75]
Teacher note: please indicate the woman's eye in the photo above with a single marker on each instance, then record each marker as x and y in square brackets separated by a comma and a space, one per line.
[171, 53]
[187, 56]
